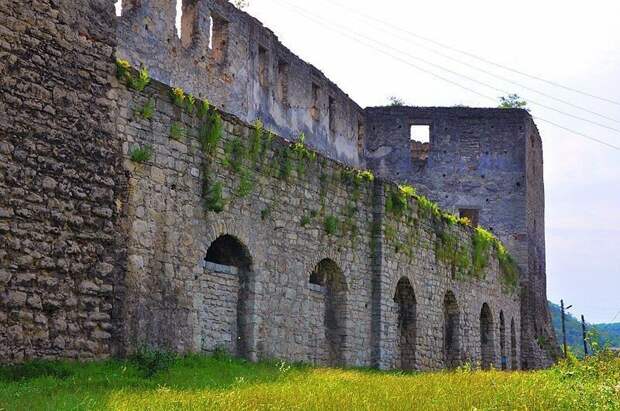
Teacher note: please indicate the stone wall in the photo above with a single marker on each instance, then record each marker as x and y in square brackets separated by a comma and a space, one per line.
[230, 58]
[301, 259]
[309, 294]
[486, 160]
[61, 184]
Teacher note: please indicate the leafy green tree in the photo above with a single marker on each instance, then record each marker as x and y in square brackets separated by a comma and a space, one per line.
[512, 101]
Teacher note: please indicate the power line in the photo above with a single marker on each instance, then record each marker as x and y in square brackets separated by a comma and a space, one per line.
[312, 16]
[417, 67]
[506, 79]
[474, 56]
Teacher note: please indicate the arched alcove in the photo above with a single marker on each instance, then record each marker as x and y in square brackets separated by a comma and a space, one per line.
[228, 269]
[514, 364]
[405, 301]
[487, 343]
[451, 331]
[328, 291]
[502, 341]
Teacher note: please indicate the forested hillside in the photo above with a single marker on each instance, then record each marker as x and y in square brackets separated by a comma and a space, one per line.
[607, 333]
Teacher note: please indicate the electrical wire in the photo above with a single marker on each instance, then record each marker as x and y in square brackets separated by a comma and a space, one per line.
[489, 73]
[309, 15]
[474, 56]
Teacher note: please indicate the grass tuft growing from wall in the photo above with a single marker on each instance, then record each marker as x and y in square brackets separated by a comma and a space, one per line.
[141, 154]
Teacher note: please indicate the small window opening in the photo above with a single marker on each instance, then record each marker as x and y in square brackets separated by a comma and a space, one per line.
[189, 22]
[118, 6]
[420, 133]
[179, 17]
[263, 65]
[219, 38]
[315, 101]
[282, 90]
[331, 114]
[360, 135]
[210, 33]
[472, 214]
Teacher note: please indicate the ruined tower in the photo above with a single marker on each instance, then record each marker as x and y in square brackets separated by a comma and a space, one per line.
[484, 164]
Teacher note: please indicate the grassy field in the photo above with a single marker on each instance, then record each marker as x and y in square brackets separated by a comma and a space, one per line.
[220, 383]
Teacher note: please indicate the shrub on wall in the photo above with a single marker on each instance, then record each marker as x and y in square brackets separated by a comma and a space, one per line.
[177, 131]
[137, 82]
[177, 95]
[331, 225]
[214, 199]
[210, 132]
[147, 110]
[141, 154]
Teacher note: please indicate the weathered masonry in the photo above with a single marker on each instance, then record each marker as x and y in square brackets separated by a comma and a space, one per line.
[304, 262]
[132, 214]
[484, 164]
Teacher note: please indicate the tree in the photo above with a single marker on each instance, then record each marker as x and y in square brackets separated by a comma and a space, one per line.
[512, 101]
[396, 101]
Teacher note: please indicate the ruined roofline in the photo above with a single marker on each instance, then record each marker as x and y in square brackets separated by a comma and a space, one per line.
[229, 57]
[453, 111]
[286, 50]
[266, 33]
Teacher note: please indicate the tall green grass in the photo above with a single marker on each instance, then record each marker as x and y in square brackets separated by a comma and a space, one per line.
[221, 383]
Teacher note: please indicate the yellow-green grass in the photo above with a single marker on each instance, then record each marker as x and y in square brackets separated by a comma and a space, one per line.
[200, 383]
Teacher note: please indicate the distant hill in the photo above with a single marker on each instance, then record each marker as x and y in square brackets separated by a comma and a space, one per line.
[609, 333]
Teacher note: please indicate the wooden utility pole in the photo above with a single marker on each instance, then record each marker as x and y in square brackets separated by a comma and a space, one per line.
[564, 329]
[583, 330]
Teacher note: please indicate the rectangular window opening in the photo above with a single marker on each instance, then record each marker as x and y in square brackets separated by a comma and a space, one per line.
[331, 114]
[282, 91]
[472, 214]
[178, 17]
[315, 101]
[189, 22]
[210, 32]
[360, 136]
[219, 38]
[420, 133]
[118, 7]
[263, 64]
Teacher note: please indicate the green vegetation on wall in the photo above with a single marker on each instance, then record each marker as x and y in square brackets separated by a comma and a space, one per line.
[137, 81]
[465, 261]
[177, 131]
[141, 154]
[147, 110]
[257, 153]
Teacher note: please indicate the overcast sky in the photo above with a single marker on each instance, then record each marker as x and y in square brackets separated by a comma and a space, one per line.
[573, 43]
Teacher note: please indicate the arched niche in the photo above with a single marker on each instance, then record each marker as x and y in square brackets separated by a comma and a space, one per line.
[487, 340]
[404, 298]
[328, 298]
[229, 272]
[451, 331]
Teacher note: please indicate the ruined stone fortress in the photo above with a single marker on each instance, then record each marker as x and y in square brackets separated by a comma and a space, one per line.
[133, 215]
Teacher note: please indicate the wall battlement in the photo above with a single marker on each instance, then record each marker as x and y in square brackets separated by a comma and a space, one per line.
[229, 57]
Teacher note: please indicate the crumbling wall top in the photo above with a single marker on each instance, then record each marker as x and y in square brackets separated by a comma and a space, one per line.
[227, 56]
